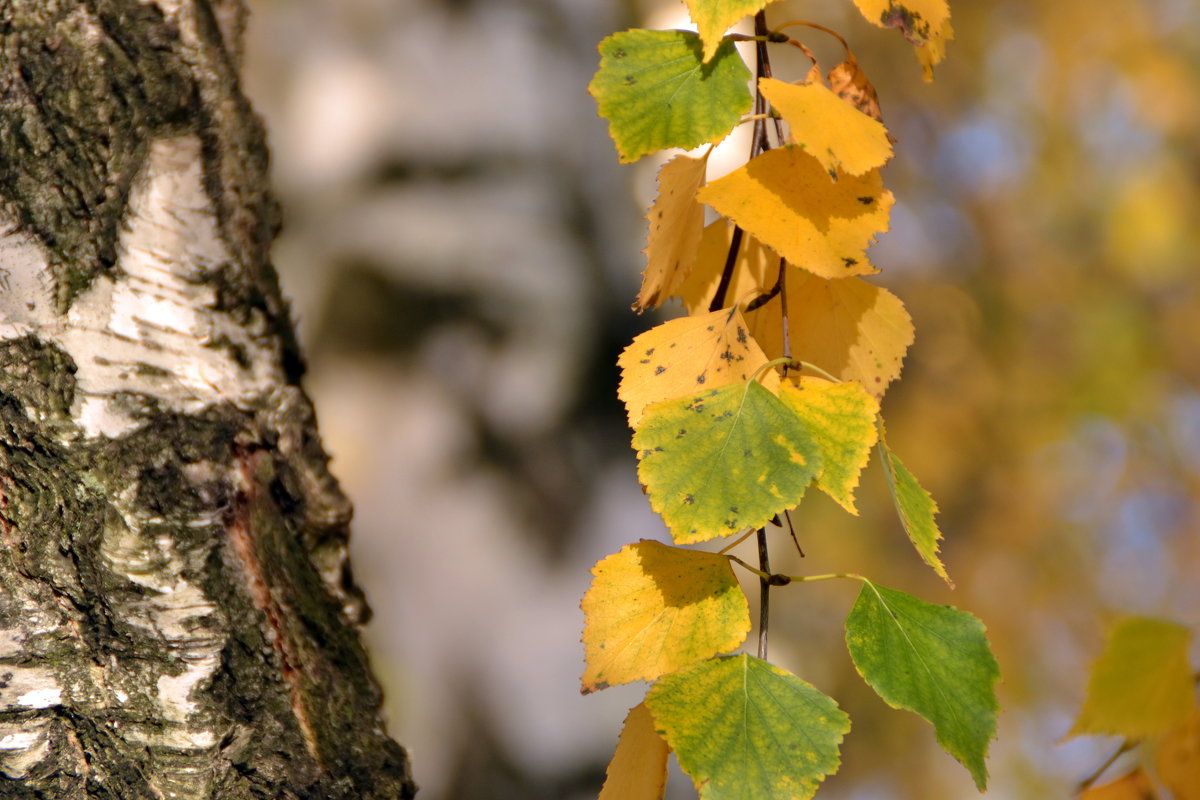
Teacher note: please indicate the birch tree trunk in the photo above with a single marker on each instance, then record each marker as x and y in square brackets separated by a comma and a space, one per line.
[177, 618]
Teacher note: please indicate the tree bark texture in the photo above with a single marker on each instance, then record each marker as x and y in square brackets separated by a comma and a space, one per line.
[177, 618]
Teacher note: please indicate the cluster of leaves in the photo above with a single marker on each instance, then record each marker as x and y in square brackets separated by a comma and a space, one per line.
[771, 384]
[1142, 689]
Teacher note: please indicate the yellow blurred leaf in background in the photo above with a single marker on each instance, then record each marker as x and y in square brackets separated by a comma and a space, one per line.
[1178, 761]
[1134, 786]
[638, 770]
[676, 222]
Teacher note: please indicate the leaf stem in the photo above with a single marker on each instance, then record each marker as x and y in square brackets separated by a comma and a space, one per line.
[734, 543]
[813, 25]
[779, 579]
[1087, 782]
[818, 370]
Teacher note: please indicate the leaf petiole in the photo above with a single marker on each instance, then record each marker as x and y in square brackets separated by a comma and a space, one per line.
[778, 579]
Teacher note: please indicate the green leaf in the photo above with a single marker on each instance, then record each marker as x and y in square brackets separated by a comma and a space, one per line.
[722, 461]
[917, 509]
[930, 659]
[744, 729]
[1141, 685]
[656, 92]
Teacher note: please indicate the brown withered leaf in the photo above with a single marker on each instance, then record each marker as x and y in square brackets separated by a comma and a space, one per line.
[849, 82]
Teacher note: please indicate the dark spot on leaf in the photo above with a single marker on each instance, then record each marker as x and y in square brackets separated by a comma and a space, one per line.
[747, 452]
[688, 500]
[659, 370]
[733, 510]
[866, 201]
[712, 327]
[618, 53]
[682, 431]
[644, 361]
[650, 352]
[741, 334]
[700, 378]
[630, 80]
[658, 449]
[849, 262]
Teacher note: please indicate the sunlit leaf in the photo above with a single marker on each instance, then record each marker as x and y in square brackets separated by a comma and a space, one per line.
[841, 419]
[917, 511]
[744, 729]
[755, 270]
[1134, 786]
[722, 461]
[830, 129]
[684, 356]
[714, 17]
[652, 609]
[785, 198]
[1141, 684]
[656, 92]
[925, 23]
[852, 329]
[638, 770]
[933, 660]
[676, 222]
[1178, 759]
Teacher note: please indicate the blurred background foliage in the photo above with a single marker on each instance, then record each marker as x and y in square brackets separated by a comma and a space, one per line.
[462, 248]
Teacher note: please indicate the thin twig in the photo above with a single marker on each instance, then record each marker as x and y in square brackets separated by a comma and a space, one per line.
[1087, 782]
[764, 597]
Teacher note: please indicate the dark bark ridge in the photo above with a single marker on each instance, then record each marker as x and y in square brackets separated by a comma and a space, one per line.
[176, 613]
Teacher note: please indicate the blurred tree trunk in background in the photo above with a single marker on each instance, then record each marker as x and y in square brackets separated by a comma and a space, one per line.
[177, 617]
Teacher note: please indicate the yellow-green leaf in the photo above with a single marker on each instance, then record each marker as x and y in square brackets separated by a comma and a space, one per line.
[785, 198]
[652, 609]
[688, 355]
[933, 660]
[638, 770]
[925, 23]
[841, 419]
[743, 729]
[722, 461]
[852, 329]
[676, 222]
[834, 132]
[656, 91]
[916, 509]
[1141, 684]
[714, 17]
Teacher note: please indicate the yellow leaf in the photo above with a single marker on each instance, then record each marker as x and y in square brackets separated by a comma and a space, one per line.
[676, 222]
[1141, 685]
[687, 355]
[714, 17]
[1179, 759]
[754, 272]
[836, 133]
[925, 23]
[638, 770]
[852, 329]
[841, 419]
[785, 198]
[652, 609]
[1134, 786]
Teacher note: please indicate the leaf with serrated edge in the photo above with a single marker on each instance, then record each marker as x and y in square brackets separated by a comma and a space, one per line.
[925, 23]
[841, 419]
[917, 511]
[1178, 760]
[785, 198]
[652, 609]
[933, 660]
[743, 729]
[656, 92]
[1135, 785]
[834, 132]
[714, 17]
[722, 461]
[676, 222]
[638, 770]
[688, 355]
[1141, 684]
[852, 329]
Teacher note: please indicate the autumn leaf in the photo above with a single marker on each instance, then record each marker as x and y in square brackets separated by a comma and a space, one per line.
[722, 461]
[656, 92]
[785, 198]
[924, 23]
[831, 130]
[1178, 759]
[754, 271]
[852, 329]
[916, 509]
[652, 609]
[676, 222]
[743, 729]
[638, 770]
[930, 659]
[1134, 786]
[687, 355]
[841, 419]
[1141, 685]
[714, 17]
[849, 82]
